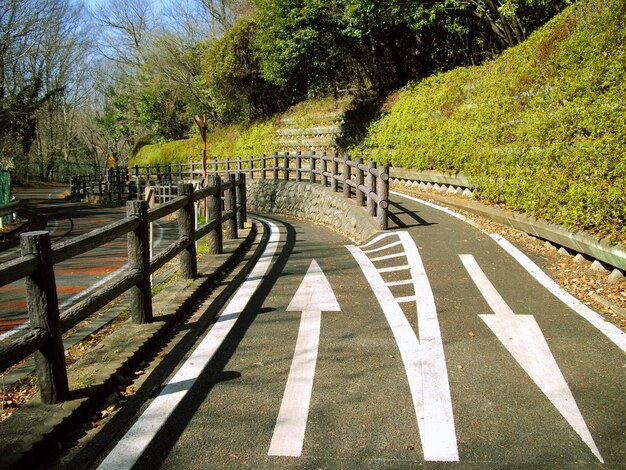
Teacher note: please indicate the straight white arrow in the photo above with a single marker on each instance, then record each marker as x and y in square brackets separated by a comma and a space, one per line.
[312, 298]
[522, 337]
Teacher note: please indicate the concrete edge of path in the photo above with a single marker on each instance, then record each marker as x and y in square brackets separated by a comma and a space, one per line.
[579, 241]
[31, 434]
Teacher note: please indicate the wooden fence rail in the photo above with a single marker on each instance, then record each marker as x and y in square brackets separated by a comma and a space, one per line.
[47, 324]
[368, 184]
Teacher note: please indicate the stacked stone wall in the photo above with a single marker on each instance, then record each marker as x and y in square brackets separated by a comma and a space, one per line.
[311, 202]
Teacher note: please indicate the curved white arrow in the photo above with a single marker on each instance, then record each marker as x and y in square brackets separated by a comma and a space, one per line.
[312, 297]
[522, 337]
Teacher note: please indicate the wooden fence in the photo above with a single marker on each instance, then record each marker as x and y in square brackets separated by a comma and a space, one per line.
[366, 183]
[47, 324]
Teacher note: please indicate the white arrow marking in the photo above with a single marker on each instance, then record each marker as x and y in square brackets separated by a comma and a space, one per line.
[522, 337]
[423, 358]
[312, 298]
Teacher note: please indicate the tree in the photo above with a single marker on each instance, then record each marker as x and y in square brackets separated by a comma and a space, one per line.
[234, 80]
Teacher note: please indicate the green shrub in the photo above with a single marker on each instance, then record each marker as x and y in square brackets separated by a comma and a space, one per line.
[541, 128]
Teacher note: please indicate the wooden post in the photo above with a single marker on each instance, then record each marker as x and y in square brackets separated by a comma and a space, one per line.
[241, 199]
[312, 168]
[324, 169]
[263, 167]
[286, 165]
[187, 228]
[382, 191]
[371, 188]
[360, 195]
[334, 169]
[347, 175]
[298, 166]
[230, 204]
[251, 168]
[43, 313]
[275, 161]
[180, 171]
[214, 212]
[139, 258]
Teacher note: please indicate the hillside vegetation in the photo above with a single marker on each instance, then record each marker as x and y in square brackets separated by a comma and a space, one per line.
[542, 128]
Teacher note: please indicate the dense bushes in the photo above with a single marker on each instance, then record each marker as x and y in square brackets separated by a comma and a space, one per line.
[541, 129]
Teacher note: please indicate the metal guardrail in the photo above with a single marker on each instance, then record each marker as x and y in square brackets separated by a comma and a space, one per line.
[36, 266]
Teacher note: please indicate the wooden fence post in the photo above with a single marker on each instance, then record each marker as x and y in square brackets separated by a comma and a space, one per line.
[214, 211]
[241, 199]
[187, 228]
[312, 168]
[334, 169]
[251, 168]
[139, 258]
[230, 204]
[382, 191]
[286, 165]
[275, 160]
[43, 312]
[298, 166]
[371, 188]
[347, 175]
[324, 169]
[263, 167]
[360, 195]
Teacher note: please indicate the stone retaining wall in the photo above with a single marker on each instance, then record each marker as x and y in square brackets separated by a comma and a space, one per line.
[312, 202]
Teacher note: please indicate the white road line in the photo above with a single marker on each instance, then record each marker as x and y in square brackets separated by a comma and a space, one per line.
[423, 359]
[617, 336]
[439, 208]
[394, 269]
[522, 337]
[313, 297]
[402, 300]
[382, 258]
[386, 247]
[404, 282]
[378, 238]
[133, 444]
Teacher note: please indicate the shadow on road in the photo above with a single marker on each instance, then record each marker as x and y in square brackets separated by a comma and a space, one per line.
[405, 218]
[213, 374]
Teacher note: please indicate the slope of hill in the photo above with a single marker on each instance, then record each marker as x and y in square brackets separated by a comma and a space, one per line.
[541, 128]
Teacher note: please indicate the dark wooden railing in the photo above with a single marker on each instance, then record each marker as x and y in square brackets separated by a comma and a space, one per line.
[9, 209]
[368, 184]
[38, 257]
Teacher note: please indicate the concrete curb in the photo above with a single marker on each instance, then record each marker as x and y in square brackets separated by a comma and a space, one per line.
[31, 434]
[576, 240]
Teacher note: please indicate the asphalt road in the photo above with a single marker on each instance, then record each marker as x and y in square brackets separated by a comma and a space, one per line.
[78, 276]
[431, 345]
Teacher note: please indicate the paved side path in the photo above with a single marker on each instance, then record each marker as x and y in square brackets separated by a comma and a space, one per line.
[430, 343]
[77, 277]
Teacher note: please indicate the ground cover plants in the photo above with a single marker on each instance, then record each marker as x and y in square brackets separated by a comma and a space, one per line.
[541, 128]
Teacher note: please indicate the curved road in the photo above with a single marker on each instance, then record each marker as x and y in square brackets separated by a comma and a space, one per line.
[434, 342]
[78, 276]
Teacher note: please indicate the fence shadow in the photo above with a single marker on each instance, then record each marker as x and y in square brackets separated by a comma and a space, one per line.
[213, 374]
[401, 217]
